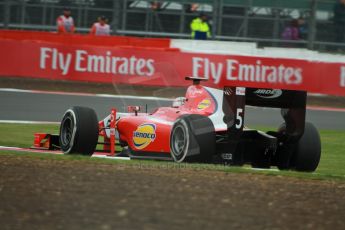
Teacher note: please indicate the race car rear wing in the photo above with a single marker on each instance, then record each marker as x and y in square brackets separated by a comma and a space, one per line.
[292, 104]
[293, 110]
[276, 98]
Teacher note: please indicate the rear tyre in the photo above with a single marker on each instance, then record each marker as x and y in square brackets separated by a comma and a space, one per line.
[285, 152]
[79, 131]
[303, 155]
[308, 151]
[193, 139]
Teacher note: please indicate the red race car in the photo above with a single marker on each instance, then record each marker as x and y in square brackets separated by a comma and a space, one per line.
[205, 126]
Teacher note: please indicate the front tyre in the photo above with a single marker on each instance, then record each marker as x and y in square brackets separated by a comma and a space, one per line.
[79, 131]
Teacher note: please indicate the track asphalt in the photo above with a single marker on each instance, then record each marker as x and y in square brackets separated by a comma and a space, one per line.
[21, 105]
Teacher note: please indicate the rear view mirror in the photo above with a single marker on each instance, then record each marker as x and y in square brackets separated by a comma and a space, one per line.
[133, 108]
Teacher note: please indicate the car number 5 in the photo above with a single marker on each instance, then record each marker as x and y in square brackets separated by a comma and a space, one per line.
[239, 119]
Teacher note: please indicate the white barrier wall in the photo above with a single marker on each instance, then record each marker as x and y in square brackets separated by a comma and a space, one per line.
[250, 49]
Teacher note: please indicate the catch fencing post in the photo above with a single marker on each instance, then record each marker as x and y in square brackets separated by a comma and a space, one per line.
[215, 18]
[6, 13]
[312, 25]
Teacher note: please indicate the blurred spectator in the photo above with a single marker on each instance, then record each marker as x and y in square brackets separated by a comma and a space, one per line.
[291, 32]
[100, 28]
[156, 5]
[200, 28]
[302, 28]
[194, 7]
[65, 22]
[339, 20]
[191, 8]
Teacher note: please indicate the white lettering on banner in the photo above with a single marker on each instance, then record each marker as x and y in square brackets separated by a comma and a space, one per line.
[54, 60]
[51, 58]
[263, 73]
[95, 64]
[216, 71]
[64, 63]
[230, 68]
[79, 58]
[342, 76]
[207, 68]
[43, 57]
[115, 65]
[123, 68]
[236, 71]
[57, 60]
[196, 66]
[150, 67]
[140, 66]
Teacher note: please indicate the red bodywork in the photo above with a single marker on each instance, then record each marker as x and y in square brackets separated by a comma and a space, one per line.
[151, 132]
[143, 132]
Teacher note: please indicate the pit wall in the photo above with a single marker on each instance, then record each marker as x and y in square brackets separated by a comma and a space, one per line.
[165, 62]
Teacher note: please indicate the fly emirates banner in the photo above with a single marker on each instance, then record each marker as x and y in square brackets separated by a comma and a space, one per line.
[165, 67]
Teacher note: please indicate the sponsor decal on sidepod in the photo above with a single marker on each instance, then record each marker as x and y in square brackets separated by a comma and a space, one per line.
[204, 104]
[144, 135]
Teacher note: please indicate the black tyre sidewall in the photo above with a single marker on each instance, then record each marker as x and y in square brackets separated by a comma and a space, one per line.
[308, 151]
[67, 149]
[85, 132]
[181, 123]
[201, 139]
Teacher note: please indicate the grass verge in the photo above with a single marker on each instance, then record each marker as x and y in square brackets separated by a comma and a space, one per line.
[331, 165]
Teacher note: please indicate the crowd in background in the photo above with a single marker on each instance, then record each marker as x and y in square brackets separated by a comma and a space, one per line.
[65, 24]
[200, 29]
[290, 29]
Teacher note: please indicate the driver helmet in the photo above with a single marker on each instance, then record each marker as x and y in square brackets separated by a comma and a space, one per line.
[178, 102]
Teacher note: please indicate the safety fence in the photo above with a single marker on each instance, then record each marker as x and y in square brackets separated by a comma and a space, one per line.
[164, 62]
[261, 21]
